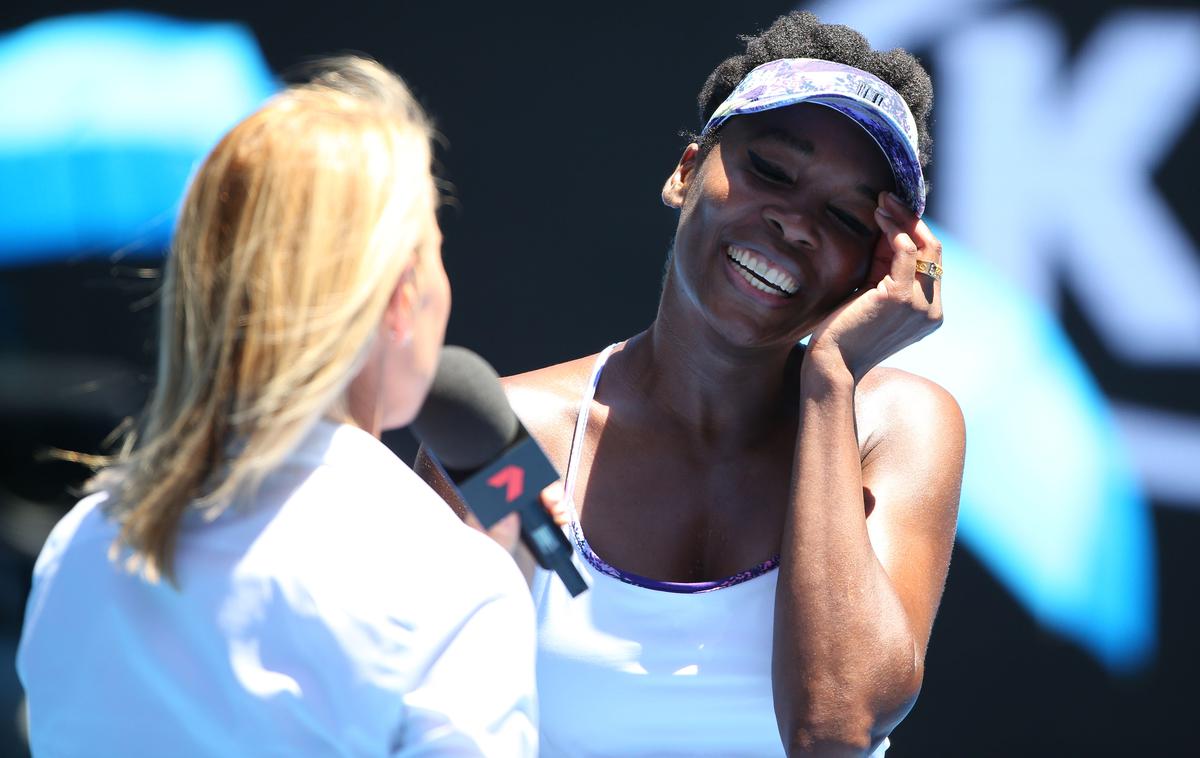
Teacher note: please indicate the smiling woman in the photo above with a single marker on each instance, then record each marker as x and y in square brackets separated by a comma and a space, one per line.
[765, 561]
[788, 177]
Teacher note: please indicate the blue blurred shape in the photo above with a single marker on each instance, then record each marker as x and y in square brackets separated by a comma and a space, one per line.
[1050, 501]
[104, 117]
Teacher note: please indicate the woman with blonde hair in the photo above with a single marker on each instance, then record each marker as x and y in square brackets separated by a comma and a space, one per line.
[319, 598]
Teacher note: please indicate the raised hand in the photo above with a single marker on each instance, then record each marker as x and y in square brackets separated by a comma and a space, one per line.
[898, 306]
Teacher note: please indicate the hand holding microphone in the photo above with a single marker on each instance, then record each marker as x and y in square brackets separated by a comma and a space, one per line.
[470, 431]
[507, 531]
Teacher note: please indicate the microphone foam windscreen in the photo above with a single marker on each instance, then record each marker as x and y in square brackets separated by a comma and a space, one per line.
[466, 420]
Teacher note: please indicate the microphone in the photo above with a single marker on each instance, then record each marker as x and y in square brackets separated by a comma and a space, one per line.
[472, 433]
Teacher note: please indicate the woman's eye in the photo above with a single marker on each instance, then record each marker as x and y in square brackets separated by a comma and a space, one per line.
[852, 223]
[768, 170]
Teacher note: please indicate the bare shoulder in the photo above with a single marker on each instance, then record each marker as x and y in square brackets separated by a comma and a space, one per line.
[547, 401]
[912, 466]
[898, 406]
[542, 395]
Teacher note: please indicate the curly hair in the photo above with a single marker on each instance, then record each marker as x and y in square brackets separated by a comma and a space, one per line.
[801, 34]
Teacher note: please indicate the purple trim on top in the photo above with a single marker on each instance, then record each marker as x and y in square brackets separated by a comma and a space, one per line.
[638, 580]
[581, 542]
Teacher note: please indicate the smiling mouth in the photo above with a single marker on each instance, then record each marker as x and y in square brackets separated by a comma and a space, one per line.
[759, 272]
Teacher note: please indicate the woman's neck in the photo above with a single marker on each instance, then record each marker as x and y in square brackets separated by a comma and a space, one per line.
[363, 397]
[721, 391]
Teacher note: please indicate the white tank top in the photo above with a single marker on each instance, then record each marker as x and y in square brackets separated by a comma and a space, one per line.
[639, 667]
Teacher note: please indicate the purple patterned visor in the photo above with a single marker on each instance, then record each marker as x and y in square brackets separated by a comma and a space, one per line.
[861, 96]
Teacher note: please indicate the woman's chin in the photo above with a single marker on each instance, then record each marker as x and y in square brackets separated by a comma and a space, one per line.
[397, 419]
[749, 331]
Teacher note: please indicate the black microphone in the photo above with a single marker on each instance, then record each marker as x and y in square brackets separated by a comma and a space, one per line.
[472, 433]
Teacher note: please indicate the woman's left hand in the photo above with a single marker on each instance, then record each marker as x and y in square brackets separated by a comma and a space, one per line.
[897, 307]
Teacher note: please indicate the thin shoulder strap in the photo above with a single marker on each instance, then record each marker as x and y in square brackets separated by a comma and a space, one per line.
[585, 406]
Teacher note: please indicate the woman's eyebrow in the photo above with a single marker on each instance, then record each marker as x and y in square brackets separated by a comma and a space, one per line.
[788, 139]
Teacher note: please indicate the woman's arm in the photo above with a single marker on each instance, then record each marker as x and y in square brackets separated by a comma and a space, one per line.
[857, 595]
[868, 535]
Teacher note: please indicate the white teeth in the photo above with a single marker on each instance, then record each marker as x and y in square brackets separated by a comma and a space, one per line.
[761, 266]
[757, 283]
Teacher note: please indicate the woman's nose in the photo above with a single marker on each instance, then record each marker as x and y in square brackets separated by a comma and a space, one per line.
[793, 223]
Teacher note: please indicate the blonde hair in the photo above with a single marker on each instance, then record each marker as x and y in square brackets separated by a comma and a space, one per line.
[290, 242]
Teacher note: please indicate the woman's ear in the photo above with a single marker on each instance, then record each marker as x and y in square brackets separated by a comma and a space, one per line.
[402, 305]
[675, 189]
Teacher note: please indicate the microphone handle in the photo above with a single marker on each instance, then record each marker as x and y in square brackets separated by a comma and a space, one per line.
[549, 546]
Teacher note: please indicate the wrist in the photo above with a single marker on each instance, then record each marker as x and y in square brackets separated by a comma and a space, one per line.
[825, 372]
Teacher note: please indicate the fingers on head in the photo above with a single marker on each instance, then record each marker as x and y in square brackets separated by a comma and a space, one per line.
[897, 235]
[930, 249]
[930, 246]
[928, 289]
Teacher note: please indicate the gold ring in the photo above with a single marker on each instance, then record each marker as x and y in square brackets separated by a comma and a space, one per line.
[930, 269]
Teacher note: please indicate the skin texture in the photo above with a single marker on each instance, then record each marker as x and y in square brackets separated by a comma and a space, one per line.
[715, 443]
[395, 378]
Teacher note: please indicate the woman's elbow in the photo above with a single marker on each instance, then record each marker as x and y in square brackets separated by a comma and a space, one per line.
[900, 694]
[852, 726]
[842, 734]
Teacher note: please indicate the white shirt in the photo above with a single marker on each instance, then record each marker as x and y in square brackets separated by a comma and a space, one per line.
[345, 611]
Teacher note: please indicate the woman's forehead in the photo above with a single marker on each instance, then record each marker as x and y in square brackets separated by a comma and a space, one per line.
[811, 131]
[799, 126]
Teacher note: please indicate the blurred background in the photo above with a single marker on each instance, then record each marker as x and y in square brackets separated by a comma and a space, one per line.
[1067, 139]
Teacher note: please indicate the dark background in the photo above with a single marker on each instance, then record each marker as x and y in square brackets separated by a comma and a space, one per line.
[562, 121]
